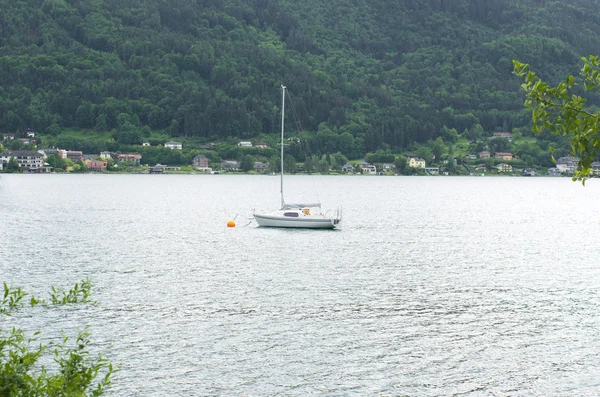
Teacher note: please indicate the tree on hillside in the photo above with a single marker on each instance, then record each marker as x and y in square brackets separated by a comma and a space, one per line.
[438, 149]
[12, 166]
[56, 162]
[499, 145]
[323, 165]
[340, 159]
[561, 111]
[194, 68]
[475, 132]
[400, 163]
[16, 145]
[289, 163]
[309, 165]
[246, 163]
[425, 153]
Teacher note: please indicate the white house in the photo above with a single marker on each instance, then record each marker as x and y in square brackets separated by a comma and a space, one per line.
[367, 168]
[174, 145]
[596, 168]
[554, 172]
[104, 155]
[260, 166]
[566, 164]
[348, 168]
[245, 144]
[505, 135]
[25, 158]
[387, 167]
[146, 144]
[230, 165]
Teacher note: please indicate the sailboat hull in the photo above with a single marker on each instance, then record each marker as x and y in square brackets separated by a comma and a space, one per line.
[304, 223]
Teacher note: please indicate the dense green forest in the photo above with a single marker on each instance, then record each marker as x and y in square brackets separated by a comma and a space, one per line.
[362, 75]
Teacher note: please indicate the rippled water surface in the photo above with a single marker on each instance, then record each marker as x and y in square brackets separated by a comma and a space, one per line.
[434, 286]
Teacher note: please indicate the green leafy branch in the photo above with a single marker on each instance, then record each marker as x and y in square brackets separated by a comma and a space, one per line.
[14, 298]
[78, 294]
[77, 370]
[560, 111]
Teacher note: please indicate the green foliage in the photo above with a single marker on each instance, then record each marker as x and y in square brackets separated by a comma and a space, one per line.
[380, 73]
[425, 153]
[289, 163]
[340, 160]
[499, 145]
[449, 134]
[246, 163]
[323, 166]
[563, 112]
[380, 157]
[309, 165]
[78, 294]
[438, 148]
[400, 163]
[12, 165]
[56, 163]
[22, 370]
[16, 145]
[413, 171]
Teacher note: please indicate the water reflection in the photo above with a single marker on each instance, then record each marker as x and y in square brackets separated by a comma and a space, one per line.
[434, 286]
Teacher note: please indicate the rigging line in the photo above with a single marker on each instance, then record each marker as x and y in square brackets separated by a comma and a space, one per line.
[299, 127]
[296, 118]
[316, 190]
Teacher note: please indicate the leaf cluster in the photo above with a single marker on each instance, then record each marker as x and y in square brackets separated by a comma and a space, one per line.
[75, 372]
[562, 111]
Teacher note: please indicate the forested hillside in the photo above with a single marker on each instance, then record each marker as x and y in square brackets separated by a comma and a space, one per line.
[362, 74]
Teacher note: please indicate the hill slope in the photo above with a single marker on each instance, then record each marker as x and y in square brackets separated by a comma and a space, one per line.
[383, 71]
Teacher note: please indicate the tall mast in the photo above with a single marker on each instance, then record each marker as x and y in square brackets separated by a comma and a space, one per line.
[282, 120]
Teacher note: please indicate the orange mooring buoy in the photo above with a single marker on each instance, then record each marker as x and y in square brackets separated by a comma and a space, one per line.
[231, 224]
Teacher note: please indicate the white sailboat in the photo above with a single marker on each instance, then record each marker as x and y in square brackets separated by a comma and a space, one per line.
[308, 216]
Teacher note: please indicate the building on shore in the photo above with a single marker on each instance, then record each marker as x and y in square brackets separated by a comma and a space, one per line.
[230, 165]
[29, 161]
[93, 165]
[133, 157]
[174, 145]
[567, 165]
[505, 135]
[367, 168]
[416, 162]
[260, 166]
[503, 155]
[200, 161]
[554, 172]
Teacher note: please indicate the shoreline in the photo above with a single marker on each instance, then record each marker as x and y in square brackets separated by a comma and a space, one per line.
[287, 174]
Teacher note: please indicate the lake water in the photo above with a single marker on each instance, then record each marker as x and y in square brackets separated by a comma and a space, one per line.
[434, 286]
